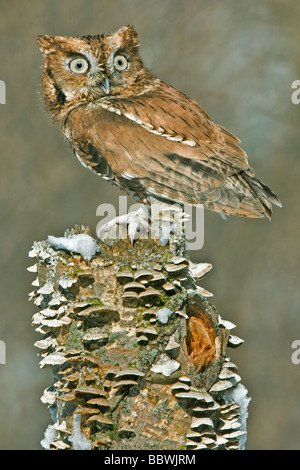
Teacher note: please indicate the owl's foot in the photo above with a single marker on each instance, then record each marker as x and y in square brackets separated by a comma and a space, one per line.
[161, 221]
[167, 222]
[136, 223]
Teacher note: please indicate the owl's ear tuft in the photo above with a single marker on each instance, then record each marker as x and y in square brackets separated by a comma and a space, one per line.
[48, 44]
[129, 34]
[45, 43]
[133, 35]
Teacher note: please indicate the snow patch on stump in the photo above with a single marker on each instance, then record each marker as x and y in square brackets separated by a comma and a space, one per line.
[81, 243]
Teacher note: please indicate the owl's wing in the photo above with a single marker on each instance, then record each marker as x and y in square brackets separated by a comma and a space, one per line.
[90, 158]
[169, 113]
[113, 146]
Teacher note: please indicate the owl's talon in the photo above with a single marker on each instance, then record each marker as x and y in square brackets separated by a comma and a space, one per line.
[137, 224]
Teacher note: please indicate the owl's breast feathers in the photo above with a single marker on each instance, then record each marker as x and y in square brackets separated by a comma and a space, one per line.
[163, 144]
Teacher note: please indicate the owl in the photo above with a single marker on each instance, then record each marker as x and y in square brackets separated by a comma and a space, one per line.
[141, 133]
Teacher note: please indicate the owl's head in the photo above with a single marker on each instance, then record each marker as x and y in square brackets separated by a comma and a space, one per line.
[90, 67]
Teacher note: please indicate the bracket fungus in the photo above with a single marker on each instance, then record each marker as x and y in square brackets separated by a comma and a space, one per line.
[139, 356]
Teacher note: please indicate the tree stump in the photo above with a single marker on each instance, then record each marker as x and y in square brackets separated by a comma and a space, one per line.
[138, 354]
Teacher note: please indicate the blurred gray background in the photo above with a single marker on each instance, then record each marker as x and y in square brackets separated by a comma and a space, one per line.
[238, 59]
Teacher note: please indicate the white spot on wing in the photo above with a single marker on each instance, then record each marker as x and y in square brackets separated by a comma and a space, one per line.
[113, 110]
[127, 175]
[132, 117]
[176, 138]
[155, 131]
[190, 143]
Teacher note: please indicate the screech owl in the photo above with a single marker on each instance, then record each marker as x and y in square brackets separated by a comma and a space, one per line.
[142, 134]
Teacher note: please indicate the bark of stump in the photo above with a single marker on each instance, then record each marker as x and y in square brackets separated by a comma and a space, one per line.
[138, 354]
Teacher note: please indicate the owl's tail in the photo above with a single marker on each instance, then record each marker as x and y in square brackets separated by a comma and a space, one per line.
[185, 180]
[247, 197]
[264, 194]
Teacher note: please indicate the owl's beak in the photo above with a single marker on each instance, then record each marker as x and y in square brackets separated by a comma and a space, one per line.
[104, 85]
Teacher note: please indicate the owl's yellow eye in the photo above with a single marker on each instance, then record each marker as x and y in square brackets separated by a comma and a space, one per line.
[120, 63]
[79, 65]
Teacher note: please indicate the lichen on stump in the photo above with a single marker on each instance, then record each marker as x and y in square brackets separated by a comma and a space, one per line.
[138, 353]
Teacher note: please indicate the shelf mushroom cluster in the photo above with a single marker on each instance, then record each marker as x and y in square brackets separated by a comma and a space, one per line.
[114, 334]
